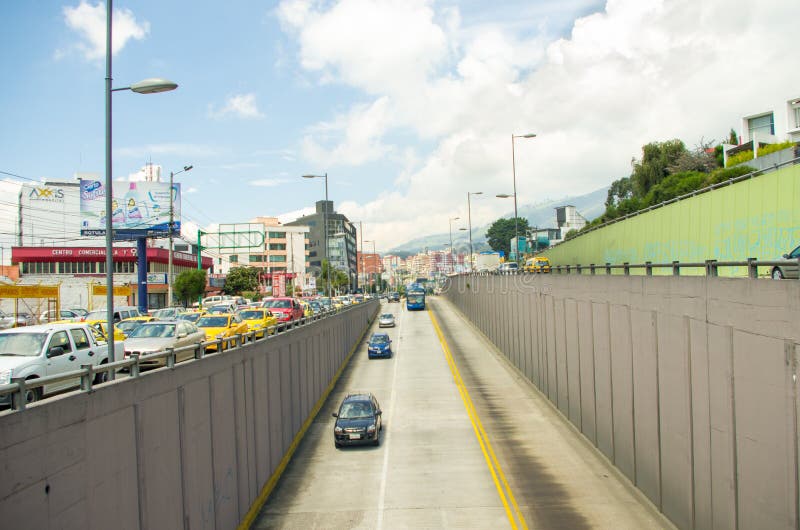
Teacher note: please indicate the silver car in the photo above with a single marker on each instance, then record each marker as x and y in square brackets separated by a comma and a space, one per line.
[780, 272]
[386, 320]
[157, 336]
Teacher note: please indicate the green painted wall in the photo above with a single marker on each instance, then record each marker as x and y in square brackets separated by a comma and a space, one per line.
[756, 218]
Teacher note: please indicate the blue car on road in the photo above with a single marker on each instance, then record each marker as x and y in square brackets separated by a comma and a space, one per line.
[380, 345]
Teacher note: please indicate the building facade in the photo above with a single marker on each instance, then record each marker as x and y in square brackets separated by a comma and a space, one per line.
[341, 238]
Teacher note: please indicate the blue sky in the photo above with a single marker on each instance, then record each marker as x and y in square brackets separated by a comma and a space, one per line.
[406, 104]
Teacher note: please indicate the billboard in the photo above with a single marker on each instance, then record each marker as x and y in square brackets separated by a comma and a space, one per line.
[48, 214]
[138, 208]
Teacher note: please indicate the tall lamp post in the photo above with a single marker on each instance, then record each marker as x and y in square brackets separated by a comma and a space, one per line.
[171, 229]
[469, 220]
[505, 196]
[147, 86]
[452, 254]
[324, 229]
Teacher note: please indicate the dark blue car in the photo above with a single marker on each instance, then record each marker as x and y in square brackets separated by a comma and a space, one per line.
[380, 345]
[358, 420]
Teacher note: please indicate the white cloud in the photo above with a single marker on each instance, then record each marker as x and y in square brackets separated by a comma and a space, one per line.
[176, 149]
[89, 21]
[239, 106]
[268, 183]
[190, 189]
[634, 72]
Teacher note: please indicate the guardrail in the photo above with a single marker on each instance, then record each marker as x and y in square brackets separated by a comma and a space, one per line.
[134, 363]
[710, 266]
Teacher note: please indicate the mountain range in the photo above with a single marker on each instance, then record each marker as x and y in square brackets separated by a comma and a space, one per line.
[540, 215]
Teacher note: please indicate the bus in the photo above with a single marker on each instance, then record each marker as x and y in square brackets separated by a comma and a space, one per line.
[415, 297]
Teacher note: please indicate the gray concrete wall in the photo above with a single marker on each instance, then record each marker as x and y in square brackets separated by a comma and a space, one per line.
[185, 448]
[688, 385]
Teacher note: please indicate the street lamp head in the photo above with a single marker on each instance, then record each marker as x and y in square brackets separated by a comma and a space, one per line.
[505, 195]
[455, 218]
[187, 168]
[313, 176]
[529, 135]
[476, 193]
[463, 229]
[153, 85]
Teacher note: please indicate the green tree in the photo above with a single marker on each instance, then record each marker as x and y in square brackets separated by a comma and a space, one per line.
[241, 279]
[500, 233]
[657, 157]
[189, 285]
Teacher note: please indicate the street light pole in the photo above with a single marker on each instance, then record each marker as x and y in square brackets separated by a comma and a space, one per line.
[452, 254]
[514, 177]
[469, 219]
[324, 228]
[146, 86]
[171, 228]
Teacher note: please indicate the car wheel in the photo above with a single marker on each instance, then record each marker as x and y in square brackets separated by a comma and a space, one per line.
[777, 274]
[32, 395]
[101, 377]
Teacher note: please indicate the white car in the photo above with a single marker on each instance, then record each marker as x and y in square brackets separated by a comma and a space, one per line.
[32, 352]
[386, 320]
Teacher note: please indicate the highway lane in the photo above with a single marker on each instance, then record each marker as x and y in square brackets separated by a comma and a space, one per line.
[467, 443]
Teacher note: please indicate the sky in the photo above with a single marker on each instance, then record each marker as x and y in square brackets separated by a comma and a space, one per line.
[407, 105]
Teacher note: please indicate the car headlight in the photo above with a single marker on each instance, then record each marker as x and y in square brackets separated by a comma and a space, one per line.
[5, 377]
[221, 335]
[337, 430]
[371, 428]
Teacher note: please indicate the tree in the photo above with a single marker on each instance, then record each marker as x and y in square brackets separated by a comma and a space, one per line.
[189, 285]
[657, 157]
[241, 279]
[500, 233]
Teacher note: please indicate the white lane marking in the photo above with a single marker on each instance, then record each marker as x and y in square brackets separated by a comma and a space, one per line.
[385, 470]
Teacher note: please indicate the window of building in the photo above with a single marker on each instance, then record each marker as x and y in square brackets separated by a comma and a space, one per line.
[277, 235]
[234, 258]
[761, 125]
[277, 259]
[796, 111]
[277, 246]
[257, 258]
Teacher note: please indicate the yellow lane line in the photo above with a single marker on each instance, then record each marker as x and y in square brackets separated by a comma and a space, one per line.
[504, 490]
[266, 490]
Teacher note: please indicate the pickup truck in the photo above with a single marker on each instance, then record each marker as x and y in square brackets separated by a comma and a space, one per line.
[51, 349]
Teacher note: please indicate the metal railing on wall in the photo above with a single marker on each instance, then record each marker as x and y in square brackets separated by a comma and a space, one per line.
[136, 365]
[711, 268]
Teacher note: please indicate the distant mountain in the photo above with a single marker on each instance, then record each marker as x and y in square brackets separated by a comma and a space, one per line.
[541, 215]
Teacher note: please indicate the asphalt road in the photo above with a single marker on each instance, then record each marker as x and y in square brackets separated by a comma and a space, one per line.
[467, 443]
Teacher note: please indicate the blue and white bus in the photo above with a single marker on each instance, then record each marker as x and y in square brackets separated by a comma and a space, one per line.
[415, 297]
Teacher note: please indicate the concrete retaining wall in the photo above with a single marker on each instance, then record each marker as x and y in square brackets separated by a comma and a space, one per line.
[185, 448]
[687, 384]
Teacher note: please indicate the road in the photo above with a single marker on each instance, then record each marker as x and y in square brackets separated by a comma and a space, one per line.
[467, 443]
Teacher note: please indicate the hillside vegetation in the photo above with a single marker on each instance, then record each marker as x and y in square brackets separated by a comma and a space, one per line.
[666, 170]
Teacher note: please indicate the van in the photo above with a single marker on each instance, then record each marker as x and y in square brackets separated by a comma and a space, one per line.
[538, 264]
[213, 300]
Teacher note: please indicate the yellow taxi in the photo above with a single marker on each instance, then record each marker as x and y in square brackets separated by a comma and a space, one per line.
[126, 325]
[537, 264]
[307, 311]
[221, 326]
[100, 326]
[259, 319]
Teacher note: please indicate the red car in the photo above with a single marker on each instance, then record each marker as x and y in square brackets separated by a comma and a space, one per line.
[285, 308]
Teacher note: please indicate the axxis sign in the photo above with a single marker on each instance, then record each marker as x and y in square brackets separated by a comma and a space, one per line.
[47, 194]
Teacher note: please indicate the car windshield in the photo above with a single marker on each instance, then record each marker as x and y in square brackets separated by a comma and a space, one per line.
[283, 304]
[387, 316]
[153, 331]
[126, 326]
[212, 322]
[96, 315]
[380, 339]
[164, 313]
[23, 344]
[251, 314]
[219, 309]
[191, 317]
[352, 410]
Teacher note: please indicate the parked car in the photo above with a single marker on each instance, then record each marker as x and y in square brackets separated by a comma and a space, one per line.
[287, 309]
[158, 335]
[260, 320]
[537, 264]
[120, 313]
[191, 316]
[508, 267]
[386, 320]
[380, 345]
[221, 326]
[167, 313]
[224, 307]
[358, 421]
[52, 315]
[81, 311]
[393, 297]
[32, 352]
[780, 272]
